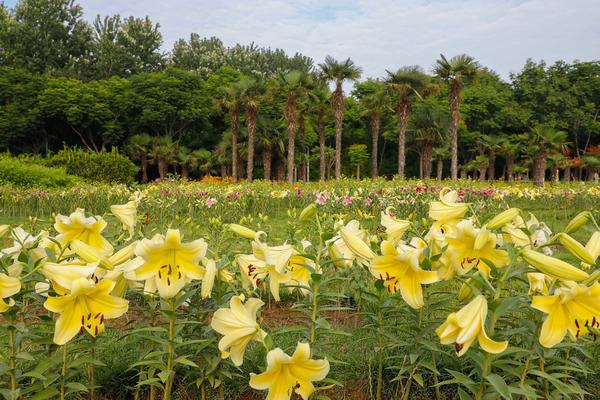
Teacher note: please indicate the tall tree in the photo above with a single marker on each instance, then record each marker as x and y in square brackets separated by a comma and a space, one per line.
[374, 99]
[405, 84]
[320, 98]
[542, 141]
[455, 71]
[250, 91]
[338, 72]
[294, 85]
[138, 148]
[231, 101]
[48, 36]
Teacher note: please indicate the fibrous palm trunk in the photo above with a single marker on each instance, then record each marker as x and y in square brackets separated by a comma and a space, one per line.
[234, 121]
[567, 174]
[163, 167]
[492, 166]
[403, 109]
[185, 171]
[455, 108]
[290, 119]
[539, 165]
[322, 161]
[251, 113]
[144, 168]
[375, 121]
[427, 157]
[267, 158]
[301, 134]
[337, 100]
[510, 163]
[440, 169]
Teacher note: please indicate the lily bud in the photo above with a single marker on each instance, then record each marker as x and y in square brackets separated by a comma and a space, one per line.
[580, 220]
[3, 230]
[503, 218]
[553, 266]
[242, 231]
[465, 292]
[356, 245]
[537, 283]
[593, 247]
[208, 280]
[576, 248]
[308, 212]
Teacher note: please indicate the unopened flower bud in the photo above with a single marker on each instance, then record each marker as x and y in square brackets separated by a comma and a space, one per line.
[576, 248]
[503, 218]
[553, 266]
[308, 212]
[580, 220]
[242, 231]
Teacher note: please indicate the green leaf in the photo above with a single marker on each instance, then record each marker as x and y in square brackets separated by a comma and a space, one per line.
[185, 361]
[47, 393]
[500, 386]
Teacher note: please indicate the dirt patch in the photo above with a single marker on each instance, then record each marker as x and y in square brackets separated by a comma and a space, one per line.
[283, 314]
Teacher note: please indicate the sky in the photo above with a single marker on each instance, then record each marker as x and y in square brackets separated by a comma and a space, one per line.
[383, 34]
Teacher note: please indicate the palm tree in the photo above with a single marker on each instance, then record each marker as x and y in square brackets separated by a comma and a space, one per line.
[509, 149]
[163, 153]
[439, 155]
[338, 72]
[455, 71]
[319, 100]
[543, 140]
[374, 100]
[138, 149]
[493, 145]
[230, 100]
[185, 160]
[405, 84]
[251, 91]
[431, 125]
[294, 85]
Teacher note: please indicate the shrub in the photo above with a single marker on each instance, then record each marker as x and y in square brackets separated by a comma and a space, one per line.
[24, 173]
[110, 167]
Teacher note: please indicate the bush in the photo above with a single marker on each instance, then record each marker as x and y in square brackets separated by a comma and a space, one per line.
[110, 167]
[24, 173]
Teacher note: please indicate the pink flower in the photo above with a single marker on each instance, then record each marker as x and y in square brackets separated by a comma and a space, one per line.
[320, 200]
[211, 201]
[347, 200]
[298, 192]
[368, 201]
[327, 195]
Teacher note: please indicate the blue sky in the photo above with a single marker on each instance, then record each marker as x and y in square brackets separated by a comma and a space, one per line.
[384, 34]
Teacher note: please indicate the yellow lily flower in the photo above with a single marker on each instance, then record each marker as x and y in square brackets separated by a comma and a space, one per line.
[4, 230]
[255, 271]
[62, 275]
[399, 268]
[447, 208]
[25, 241]
[593, 248]
[126, 213]
[338, 249]
[77, 227]
[238, 326]
[9, 286]
[394, 228]
[572, 308]
[285, 374]
[466, 249]
[553, 266]
[86, 306]
[299, 274]
[466, 325]
[361, 249]
[537, 283]
[169, 264]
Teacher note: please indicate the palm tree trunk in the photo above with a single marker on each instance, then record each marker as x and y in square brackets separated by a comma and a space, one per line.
[234, 142]
[338, 110]
[510, 163]
[223, 170]
[144, 168]
[185, 171]
[280, 168]
[539, 165]
[455, 108]
[251, 114]
[375, 121]
[267, 159]
[482, 171]
[440, 169]
[322, 161]
[301, 134]
[163, 167]
[290, 118]
[403, 113]
[567, 174]
[427, 157]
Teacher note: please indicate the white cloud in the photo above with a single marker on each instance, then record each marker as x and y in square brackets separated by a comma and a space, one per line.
[380, 34]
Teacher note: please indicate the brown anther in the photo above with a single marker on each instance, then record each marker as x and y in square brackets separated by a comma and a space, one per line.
[168, 282]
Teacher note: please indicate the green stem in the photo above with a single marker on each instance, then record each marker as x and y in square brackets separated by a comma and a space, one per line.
[438, 394]
[92, 371]
[380, 344]
[406, 393]
[315, 292]
[170, 351]
[12, 357]
[63, 372]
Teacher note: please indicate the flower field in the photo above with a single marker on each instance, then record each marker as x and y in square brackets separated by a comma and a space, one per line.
[357, 290]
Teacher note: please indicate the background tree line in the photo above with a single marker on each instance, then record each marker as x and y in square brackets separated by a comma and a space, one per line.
[252, 112]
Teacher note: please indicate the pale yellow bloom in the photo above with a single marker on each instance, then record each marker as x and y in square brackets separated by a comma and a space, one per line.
[447, 208]
[572, 308]
[286, 375]
[79, 227]
[126, 213]
[62, 275]
[394, 228]
[9, 286]
[208, 280]
[238, 326]
[255, 271]
[4, 230]
[466, 325]
[399, 268]
[467, 248]
[86, 306]
[337, 247]
[169, 264]
[361, 249]
[593, 248]
[537, 283]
